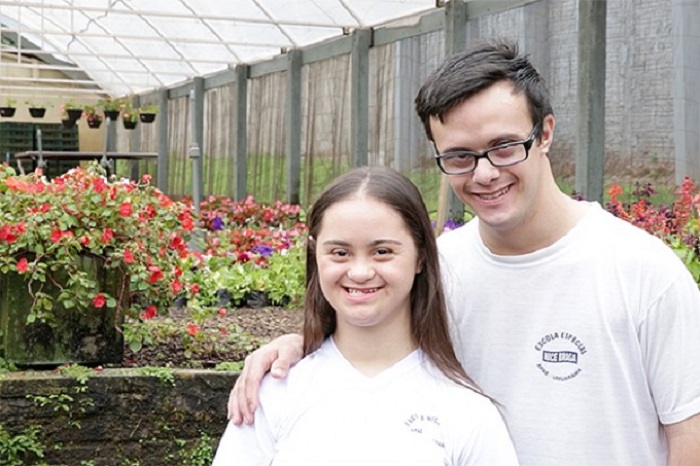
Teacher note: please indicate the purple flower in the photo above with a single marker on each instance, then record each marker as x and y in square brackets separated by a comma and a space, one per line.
[265, 251]
[217, 224]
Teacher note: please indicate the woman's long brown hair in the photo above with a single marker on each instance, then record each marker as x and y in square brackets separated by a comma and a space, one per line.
[429, 326]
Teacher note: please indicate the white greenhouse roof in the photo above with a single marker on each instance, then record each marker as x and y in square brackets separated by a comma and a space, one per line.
[130, 46]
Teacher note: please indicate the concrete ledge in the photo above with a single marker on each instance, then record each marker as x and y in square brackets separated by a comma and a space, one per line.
[117, 414]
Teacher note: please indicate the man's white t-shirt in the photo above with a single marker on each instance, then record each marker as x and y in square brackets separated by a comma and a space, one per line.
[327, 413]
[588, 346]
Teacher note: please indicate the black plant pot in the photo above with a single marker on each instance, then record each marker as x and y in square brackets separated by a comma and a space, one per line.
[94, 123]
[147, 117]
[7, 111]
[68, 123]
[37, 112]
[128, 124]
[74, 113]
[112, 114]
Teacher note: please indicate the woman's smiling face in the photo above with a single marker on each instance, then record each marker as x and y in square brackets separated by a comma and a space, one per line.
[367, 261]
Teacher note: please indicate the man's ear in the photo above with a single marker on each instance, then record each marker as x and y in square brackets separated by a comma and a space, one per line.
[546, 134]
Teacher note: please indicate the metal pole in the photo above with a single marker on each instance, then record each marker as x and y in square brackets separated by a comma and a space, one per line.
[195, 156]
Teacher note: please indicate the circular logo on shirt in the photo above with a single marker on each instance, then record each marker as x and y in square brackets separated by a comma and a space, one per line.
[559, 355]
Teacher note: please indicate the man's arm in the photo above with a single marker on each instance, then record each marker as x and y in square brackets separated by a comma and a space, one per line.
[683, 439]
[277, 357]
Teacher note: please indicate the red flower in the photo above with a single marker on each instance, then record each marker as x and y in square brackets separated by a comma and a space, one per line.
[192, 329]
[195, 288]
[176, 286]
[156, 274]
[99, 185]
[222, 311]
[128, 256]
[149, 313]
[107, 235]
[84, 240]
[22, 265]
[56, 236]
[125, 209]
[145, 178]
[99, 301]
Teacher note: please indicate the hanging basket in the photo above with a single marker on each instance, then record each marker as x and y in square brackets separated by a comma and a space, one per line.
[7, 112]
[68, 123]
[129, 124]
[74, 113]
[94, 123]
[37, 112]
[147, 117]
[112, 114]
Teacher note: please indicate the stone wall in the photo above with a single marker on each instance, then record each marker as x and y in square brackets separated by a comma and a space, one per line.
[117, 416]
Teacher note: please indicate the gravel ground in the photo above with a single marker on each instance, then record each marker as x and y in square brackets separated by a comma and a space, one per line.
[244, 330]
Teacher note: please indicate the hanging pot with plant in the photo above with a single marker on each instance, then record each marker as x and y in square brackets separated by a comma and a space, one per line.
[147, 113]
[130, 117]
[36, 110]
[67, 122]
[94, 119]
[72, 111]
[8, 109]
[111, 107]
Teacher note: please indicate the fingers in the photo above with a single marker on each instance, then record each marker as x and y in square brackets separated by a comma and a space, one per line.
[235, 414]
[291, 348]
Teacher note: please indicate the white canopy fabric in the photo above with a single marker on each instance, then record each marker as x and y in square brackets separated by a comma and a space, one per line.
[131, 46]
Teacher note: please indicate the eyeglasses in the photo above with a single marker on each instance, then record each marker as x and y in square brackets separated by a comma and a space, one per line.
[461, 162]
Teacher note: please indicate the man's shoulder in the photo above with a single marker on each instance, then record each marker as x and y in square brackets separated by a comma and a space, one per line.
[457, 235]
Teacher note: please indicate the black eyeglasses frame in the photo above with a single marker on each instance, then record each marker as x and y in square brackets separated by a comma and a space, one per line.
[526, 143]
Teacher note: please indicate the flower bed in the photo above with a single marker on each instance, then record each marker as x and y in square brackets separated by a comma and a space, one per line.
[678, 224]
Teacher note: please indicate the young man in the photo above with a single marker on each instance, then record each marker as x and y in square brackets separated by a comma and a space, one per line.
[583, 328]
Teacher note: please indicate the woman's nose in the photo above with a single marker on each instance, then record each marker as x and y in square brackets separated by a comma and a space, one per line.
[361, 271]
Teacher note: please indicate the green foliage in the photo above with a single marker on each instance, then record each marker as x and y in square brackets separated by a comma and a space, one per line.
[164, 374]
[10, 102]
[6, 366]
[149, 108]
[110, 104]
[229, 366]
[136, 335]
[76, 371]
[201, 454]
[19, 449]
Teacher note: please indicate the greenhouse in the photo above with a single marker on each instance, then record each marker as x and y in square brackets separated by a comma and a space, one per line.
[159, 160]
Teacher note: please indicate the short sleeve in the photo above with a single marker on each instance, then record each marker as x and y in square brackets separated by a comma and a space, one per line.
[246, 445]
[483, 439]
[670, 342]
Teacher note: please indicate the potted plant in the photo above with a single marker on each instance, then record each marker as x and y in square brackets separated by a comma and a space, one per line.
[78, 254]
[71, 111]
[36, 110]
[94, 119]
[130, 117]
[147, 113]
[8, 109]
[111, 107]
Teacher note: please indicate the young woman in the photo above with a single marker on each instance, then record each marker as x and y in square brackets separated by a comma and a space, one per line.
[379, 383]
